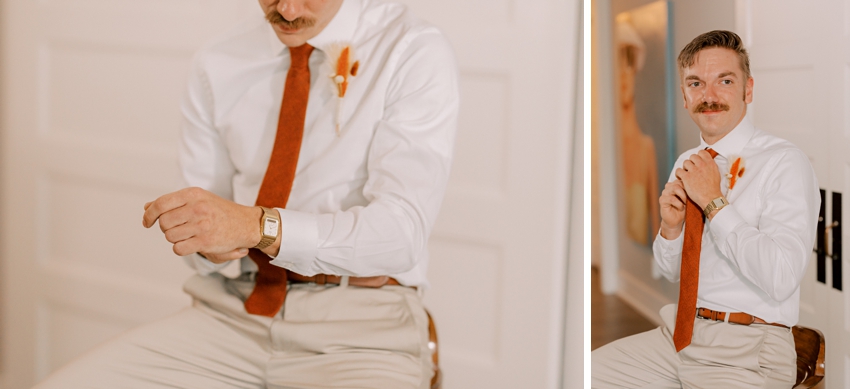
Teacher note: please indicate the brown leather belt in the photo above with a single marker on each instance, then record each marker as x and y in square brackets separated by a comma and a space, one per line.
[323, 279]
[734, 317]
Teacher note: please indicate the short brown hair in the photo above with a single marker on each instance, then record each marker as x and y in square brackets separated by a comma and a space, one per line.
[717, 38]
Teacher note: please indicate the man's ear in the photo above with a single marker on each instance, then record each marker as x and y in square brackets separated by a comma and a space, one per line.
[684, 99]
[748, 91]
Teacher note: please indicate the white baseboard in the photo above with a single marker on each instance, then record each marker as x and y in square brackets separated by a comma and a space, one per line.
[643, 298]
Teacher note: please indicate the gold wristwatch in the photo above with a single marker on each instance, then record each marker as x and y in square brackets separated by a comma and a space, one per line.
[715, 204]
[269, 226]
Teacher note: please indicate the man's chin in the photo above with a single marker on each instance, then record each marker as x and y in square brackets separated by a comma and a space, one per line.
[291, 40]
[714, 131]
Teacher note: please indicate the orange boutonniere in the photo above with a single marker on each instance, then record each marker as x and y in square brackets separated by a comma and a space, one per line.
[342, 68]
[735, 171]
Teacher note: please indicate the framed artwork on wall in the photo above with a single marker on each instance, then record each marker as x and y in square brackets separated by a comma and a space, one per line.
[645, 71]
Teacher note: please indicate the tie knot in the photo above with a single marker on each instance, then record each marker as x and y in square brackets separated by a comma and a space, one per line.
[300, 56]
[712, 152]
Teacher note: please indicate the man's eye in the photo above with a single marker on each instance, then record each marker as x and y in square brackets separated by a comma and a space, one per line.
[726, 82]
[694, 84]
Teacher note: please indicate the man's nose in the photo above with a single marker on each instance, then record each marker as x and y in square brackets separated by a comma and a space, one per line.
[291, 9]
[709, 94]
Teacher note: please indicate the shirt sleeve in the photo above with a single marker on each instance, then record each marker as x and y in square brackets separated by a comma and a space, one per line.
[773, 253]
[668, 253]
[408, 168]
[668, 256]
[203, 158]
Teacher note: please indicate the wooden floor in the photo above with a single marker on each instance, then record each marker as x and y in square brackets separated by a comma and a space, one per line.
[611, 318]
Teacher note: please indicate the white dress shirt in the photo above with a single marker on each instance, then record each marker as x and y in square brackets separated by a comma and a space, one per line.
[755, 250]
[363, 203]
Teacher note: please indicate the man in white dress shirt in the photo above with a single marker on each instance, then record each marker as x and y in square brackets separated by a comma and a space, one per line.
[760, 198]
[371, 174]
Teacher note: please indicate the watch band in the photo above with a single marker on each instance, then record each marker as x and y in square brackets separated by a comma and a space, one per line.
[714, 205]
[269, 227]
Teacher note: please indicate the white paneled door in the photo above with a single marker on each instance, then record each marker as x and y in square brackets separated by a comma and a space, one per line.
[90, 94]
[800, 57]
[90, 110]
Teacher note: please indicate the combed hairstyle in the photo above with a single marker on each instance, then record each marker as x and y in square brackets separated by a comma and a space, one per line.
[717, 38]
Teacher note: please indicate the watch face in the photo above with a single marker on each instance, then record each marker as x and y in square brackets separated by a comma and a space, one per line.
[270, 227]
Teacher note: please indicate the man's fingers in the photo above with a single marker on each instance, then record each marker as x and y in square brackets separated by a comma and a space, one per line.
[162, 205]
[186, 247]
[678, 204]
[173, 218]
[681, 174]
[228, 256]
[179, 233]
[674, 195]
[702, 159]
[705, 155]
[679, 192]
[674, 202]
[672, 185]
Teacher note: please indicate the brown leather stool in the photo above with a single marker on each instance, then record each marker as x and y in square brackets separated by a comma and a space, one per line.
[437, 379]
[811, 349]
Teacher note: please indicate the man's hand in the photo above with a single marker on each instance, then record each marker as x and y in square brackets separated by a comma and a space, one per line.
[700, 178]
[198, 221]
[672, 204]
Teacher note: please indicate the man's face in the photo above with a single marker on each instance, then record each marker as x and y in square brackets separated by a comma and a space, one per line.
[296, 21]
[716, 93]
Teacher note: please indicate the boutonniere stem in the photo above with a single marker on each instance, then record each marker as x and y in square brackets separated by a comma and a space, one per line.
[343, 67]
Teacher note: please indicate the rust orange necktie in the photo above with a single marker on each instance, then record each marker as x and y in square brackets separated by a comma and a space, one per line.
[270, 287]
[689, 277]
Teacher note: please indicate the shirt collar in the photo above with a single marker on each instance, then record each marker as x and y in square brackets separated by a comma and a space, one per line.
[733, 143]
[340, 29]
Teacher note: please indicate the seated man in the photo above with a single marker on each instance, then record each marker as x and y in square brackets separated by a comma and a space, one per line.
[740, 269]
[315, 149]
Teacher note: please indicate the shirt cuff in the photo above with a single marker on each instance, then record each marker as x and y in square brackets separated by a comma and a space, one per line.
[299, 241]
[724, 223]
[670, 247]
[202, 265]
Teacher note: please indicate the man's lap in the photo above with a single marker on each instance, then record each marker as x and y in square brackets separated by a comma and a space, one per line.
[720, 355]
[172, 352]
[332, 337]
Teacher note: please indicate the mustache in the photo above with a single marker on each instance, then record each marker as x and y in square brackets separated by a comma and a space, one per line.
[704, 106]
[275, 17]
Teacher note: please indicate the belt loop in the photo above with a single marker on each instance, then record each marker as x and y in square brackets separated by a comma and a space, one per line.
[343, 282]
[726, 319]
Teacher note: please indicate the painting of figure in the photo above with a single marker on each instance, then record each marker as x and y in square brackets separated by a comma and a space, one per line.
[645, 114]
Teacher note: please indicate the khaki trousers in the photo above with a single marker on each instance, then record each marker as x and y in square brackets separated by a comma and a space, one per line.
[331, 337]
[721, 355]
